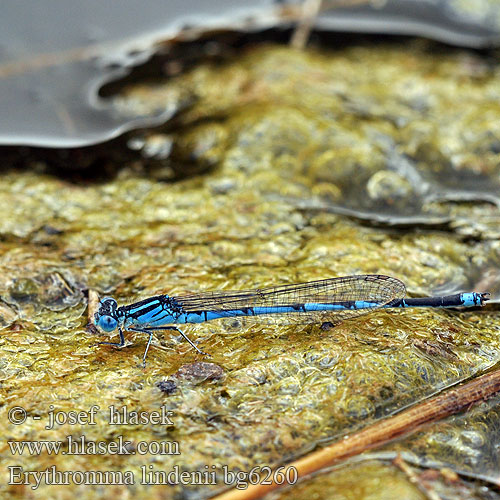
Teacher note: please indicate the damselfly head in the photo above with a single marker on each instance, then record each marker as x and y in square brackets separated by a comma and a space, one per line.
[105, 317]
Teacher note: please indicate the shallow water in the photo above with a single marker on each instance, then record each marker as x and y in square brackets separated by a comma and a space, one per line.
[53, 61]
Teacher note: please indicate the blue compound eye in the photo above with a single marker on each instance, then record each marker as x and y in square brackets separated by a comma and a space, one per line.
[107, 323]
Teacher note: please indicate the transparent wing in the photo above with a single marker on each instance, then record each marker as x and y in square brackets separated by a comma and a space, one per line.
[376, 289]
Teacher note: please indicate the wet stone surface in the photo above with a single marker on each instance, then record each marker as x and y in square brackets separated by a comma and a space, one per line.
[274, 174]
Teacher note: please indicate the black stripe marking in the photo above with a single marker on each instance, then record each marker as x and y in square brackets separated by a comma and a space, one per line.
[143, 311]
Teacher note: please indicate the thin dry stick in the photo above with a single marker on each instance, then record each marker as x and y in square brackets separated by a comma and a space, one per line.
[308, 13]
[93, 305]
[414, 479]
[436, 408]
[300, 36]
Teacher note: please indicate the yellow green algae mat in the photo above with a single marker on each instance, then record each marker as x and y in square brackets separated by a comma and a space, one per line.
[282, 166]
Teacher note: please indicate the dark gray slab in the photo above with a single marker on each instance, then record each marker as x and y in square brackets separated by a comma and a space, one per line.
[55, 55]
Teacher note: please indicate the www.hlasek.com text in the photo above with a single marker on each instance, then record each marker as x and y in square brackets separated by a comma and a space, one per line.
[82, 446]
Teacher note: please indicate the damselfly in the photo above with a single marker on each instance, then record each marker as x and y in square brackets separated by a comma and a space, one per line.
[326, 302]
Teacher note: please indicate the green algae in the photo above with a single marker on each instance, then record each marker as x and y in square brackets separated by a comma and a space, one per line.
[381, 132]
[271, 127]
[358, 482]
[376, 478]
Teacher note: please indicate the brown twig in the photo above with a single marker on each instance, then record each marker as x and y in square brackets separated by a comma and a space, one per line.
[310, 9]
[375, 435]
[92, 305]
[308, 14]
[415, 479]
